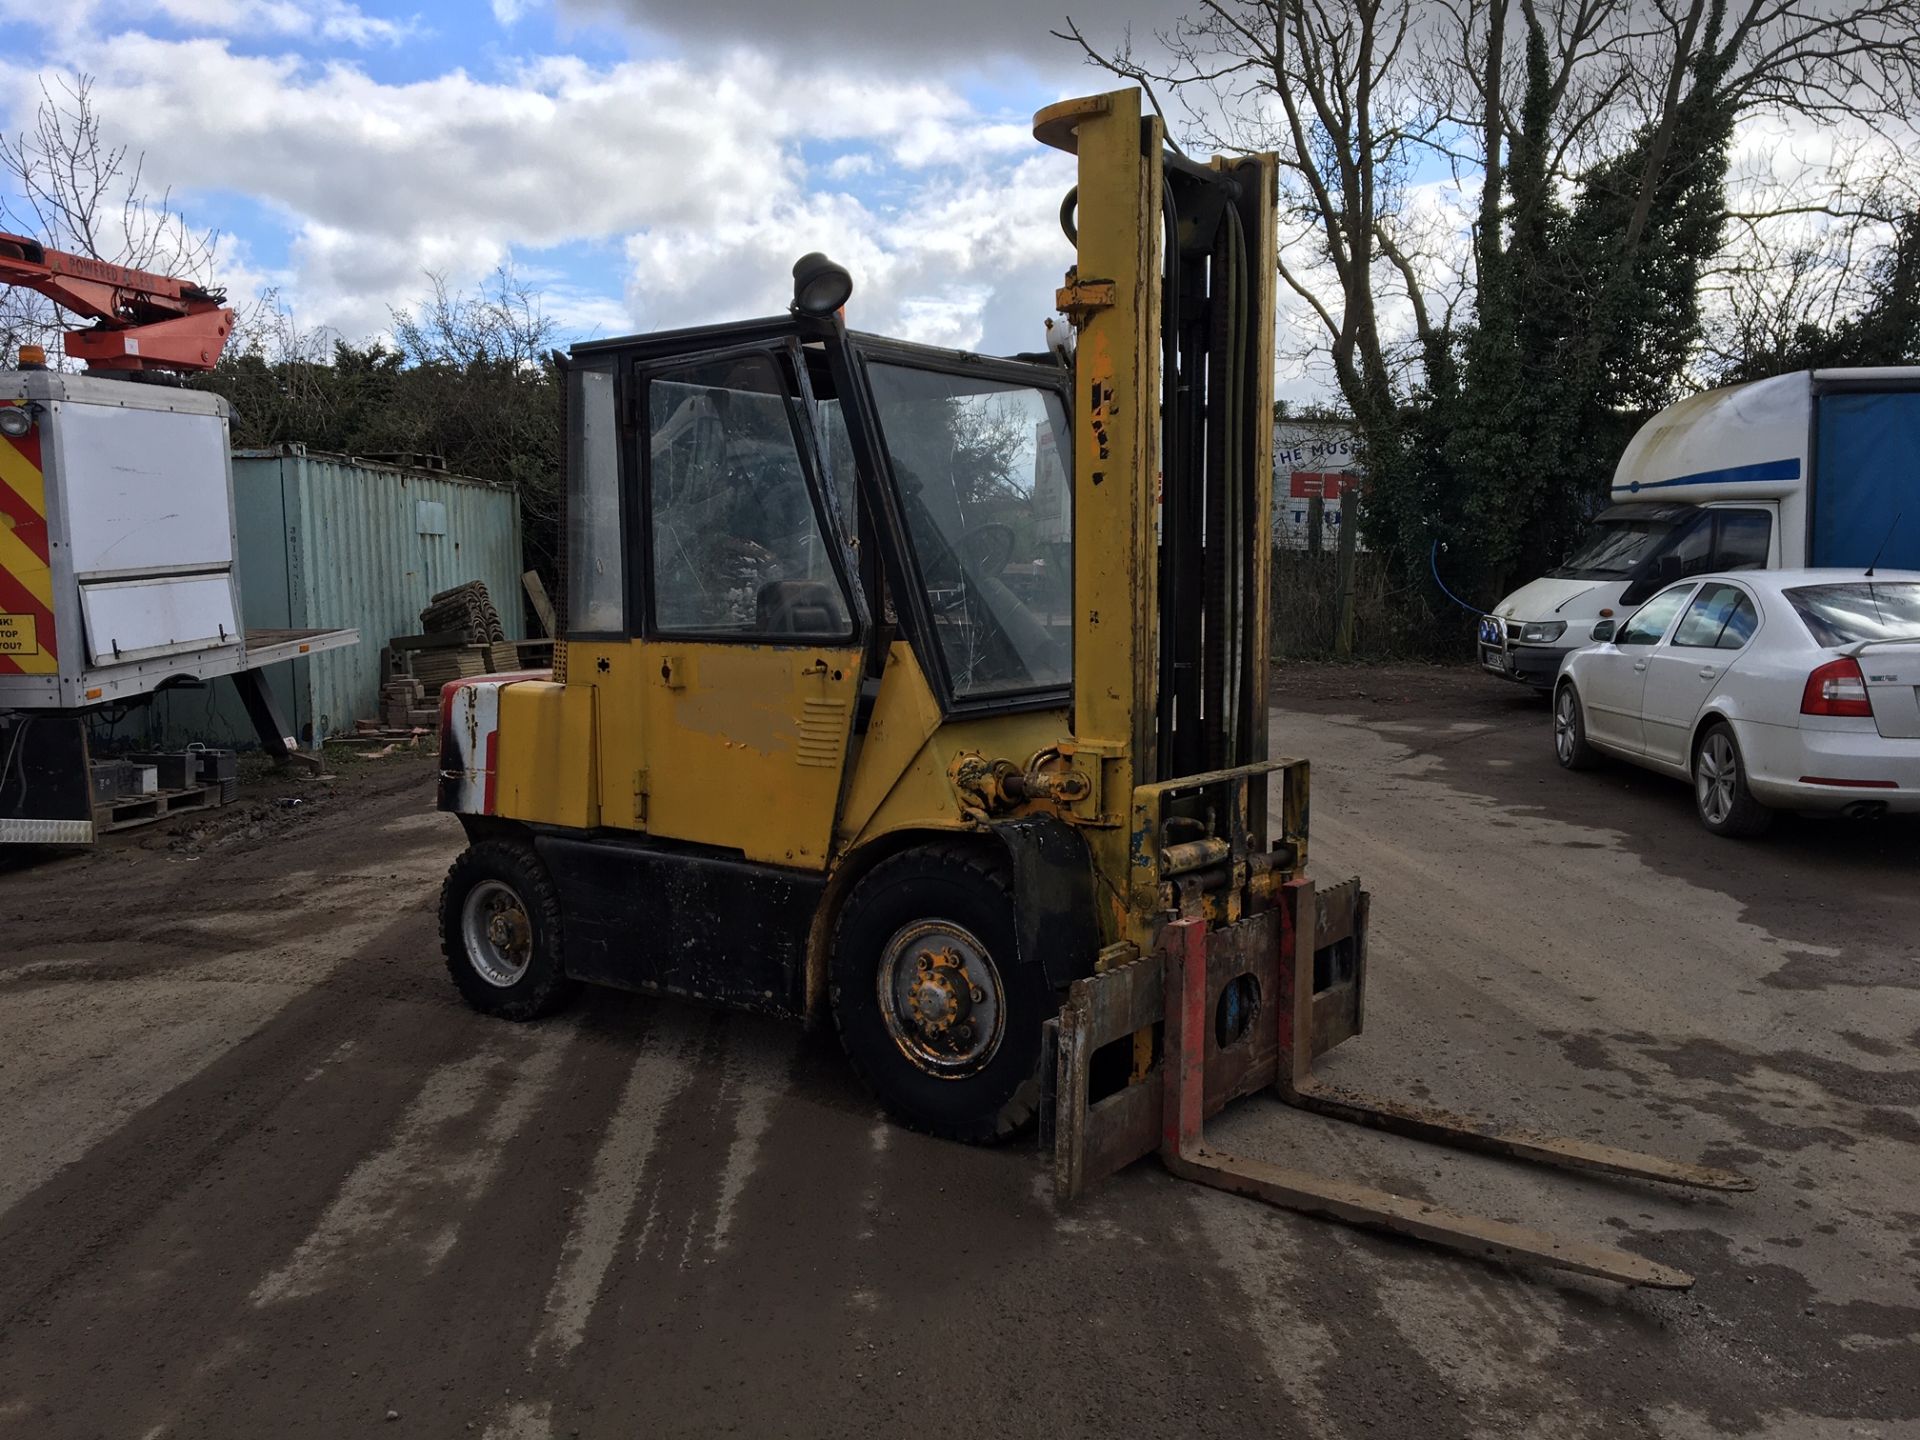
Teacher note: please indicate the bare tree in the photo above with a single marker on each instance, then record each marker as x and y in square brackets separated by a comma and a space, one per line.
[1810, 233]
[70, 188]
[1325, 85]
[1358, 98]
[502, 323]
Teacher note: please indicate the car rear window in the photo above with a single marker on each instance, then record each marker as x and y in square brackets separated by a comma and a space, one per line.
[1848, 613]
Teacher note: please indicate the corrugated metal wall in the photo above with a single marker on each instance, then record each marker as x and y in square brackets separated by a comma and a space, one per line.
[360, 554]
[329, 541]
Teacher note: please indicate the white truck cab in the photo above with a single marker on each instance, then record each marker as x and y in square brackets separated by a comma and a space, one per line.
[1813, 468]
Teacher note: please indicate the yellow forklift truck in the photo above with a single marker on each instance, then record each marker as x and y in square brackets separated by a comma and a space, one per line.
[928, 691]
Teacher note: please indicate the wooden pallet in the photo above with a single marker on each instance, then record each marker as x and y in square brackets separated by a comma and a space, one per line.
[132, 810]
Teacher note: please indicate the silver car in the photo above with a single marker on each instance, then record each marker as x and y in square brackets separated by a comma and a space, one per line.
[1766, 689]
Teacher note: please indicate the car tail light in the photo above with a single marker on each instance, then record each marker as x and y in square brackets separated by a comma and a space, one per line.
[1836, 688]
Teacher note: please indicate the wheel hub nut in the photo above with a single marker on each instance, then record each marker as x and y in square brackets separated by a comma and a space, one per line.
[506, 930]
[940, 996]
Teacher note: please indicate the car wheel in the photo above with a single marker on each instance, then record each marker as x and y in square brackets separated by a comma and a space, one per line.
[940, 1018]
[500, 929]
[1570, 745]
[1720, 794]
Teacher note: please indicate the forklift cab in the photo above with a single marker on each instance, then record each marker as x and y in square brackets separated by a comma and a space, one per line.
[758, 515]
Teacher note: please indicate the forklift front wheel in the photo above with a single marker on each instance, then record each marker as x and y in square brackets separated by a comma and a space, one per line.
[937, 1014]
[500, 929]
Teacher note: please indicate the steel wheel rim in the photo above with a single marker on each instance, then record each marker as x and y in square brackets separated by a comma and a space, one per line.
[497, 933]
[1563, 725]
[1714, 778]
[941, 998]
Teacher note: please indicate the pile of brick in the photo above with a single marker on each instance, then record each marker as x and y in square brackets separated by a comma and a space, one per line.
[404, 705]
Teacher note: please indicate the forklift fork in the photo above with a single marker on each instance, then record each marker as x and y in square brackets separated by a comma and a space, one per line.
[1205, 989]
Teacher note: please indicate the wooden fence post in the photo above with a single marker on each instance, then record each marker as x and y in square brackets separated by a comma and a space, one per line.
[1344, 587]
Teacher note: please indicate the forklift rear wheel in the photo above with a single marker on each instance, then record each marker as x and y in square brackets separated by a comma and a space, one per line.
[500, 929]
[938, 1016]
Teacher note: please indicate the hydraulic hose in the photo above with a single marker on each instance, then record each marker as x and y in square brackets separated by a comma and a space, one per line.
[1433, 563]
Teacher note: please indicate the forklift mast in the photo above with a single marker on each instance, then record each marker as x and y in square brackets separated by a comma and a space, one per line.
[1171, 293]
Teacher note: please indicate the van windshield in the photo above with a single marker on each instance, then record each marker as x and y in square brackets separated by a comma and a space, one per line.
[1612, 548]
[1848, 613]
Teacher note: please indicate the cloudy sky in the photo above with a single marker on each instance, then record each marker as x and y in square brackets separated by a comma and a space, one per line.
[645, 163]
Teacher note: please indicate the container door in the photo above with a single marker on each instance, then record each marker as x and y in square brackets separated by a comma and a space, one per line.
[150, 522]
[750, 655]
[1866, 503]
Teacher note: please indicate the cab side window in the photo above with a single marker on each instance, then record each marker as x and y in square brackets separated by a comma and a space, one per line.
[1650, 621]
[1722, 617]
[1742, 540]
[737, 544]
[596, 577]
[1693, 552]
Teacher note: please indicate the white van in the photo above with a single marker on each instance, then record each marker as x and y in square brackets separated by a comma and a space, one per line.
[1818, 467]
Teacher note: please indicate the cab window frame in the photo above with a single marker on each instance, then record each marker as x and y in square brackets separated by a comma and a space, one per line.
[1723, 516]
[574, 375]
[782, 352]
[868, 350]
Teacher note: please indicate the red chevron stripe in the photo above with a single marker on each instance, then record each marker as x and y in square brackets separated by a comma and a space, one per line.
[28, 445]
[31, 529]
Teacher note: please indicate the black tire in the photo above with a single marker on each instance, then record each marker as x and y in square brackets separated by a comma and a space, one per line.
[963, 898]
[1570, 745]
[1720, 795]
[517, 977]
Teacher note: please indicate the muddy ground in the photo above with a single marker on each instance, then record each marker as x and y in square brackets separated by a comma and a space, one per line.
[262, 1174]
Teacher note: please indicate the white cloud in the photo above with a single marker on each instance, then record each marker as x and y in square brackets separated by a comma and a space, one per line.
[845, 167]
[508, 12]
[692, 172]
[928, 35]
[337, 21]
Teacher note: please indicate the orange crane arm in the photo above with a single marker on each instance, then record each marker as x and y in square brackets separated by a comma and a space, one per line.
[141, 321]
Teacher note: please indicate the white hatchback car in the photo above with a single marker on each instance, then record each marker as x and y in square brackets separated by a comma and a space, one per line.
[1787, 689]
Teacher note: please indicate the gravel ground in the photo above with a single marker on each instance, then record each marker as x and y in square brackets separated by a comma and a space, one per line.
[262, 1174]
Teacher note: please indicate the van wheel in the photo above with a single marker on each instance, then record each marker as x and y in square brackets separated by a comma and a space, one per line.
[1720, 794]
[1570, 745]
[938, 1015]
[500, 929]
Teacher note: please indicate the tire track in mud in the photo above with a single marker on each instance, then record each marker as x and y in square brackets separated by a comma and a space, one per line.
[869, 1279]
[436, 1296]
[150, 1242]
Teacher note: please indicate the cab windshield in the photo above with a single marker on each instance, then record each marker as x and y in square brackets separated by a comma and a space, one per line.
[982, 467]
[1613, 548]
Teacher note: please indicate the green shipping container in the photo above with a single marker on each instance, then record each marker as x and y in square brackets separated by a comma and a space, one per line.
[336, 540]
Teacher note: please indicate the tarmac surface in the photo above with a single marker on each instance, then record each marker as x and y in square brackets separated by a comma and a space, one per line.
[261, 1173]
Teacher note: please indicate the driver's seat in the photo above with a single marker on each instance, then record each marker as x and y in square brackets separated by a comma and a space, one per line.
[798, 607]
